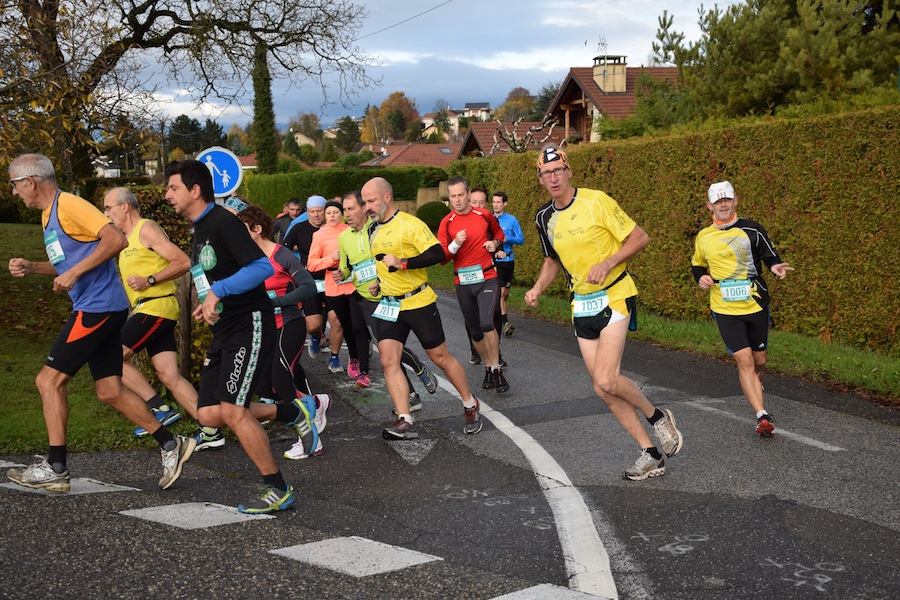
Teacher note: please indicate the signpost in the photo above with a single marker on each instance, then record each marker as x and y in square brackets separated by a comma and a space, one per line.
[225, 168]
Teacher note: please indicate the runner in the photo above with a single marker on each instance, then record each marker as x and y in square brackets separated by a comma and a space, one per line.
[587, 235]
[727, 261]
[81, 247]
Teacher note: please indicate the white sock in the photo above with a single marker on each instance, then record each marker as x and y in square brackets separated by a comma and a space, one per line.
[761, 413]
[470, 403]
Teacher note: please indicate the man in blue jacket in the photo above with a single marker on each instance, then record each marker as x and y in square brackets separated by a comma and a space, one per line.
[505, 260]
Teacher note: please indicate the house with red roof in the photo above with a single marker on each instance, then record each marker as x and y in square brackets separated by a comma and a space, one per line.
[484, 139]
[604, 91]
[414, 153]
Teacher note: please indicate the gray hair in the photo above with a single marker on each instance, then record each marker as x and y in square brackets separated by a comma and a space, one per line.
[33, 165]
[125, 196]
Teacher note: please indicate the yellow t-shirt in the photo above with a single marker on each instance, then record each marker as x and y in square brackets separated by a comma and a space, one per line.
[404, 236]
[158, 300]
[588, 231]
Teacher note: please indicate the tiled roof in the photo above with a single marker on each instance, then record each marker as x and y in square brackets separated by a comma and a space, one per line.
[249, 161]
[433, 155]
[616, 105]
[480, 138]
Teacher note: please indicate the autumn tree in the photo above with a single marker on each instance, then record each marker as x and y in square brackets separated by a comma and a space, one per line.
[308, 124]
[68, 68]
[390, 120]
[518, 104]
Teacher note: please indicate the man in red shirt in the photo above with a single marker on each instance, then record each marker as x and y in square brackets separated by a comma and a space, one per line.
[470, 236]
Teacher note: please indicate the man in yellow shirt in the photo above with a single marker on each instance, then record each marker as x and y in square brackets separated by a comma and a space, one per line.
[585, 233]
[727, 261]
[403, 246]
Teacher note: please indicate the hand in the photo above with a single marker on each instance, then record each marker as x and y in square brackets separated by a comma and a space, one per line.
[393, 263]
[492, 246]
[137, 283]
[500, 254]
[375, 288]
[336, 255]
[781, 269]
[208, 310]
[531, 297]
[65, 282]
[19, 267]
[598, 273]
[337, 276]
[705, 282]
[460, 237]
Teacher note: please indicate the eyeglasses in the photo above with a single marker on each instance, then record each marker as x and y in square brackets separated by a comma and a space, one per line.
[557, 172]
[106, 208]
[16, 180]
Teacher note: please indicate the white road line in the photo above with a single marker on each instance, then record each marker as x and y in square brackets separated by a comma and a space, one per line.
[587, 562]
[778, 432]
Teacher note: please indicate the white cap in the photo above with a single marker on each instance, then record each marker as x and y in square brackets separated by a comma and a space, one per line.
[718, 191]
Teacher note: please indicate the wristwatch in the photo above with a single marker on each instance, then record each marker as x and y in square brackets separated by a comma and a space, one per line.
[151, 280]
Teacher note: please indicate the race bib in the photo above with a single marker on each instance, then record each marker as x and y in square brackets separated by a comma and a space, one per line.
[387, 310]
[54, 248]
[590, 305]
[272, 295]
[201, 283]
[734, 290]
[470, 275]
[320, 286]
[364, 271]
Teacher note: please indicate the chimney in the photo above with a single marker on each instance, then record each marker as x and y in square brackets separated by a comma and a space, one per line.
[609, 73]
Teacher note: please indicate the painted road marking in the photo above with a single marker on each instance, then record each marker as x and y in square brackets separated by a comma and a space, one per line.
[355, 556]
[193, 515]
[779, 432]
[80, 485]
[547, 592]
[5, 464]
[413, 451]
[587, 562]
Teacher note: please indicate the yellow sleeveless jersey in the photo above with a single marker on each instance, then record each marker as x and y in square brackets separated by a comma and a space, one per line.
[588, 231]
[136, 259]
[404, 236]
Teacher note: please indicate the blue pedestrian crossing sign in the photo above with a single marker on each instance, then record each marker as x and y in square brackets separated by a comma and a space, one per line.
[225, 167]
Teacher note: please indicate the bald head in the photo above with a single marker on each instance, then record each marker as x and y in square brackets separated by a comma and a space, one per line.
[378, 195]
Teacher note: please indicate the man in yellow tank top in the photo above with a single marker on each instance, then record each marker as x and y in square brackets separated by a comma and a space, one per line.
[149, 267]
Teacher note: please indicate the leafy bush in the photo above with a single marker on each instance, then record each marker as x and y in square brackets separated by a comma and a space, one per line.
[432, 213]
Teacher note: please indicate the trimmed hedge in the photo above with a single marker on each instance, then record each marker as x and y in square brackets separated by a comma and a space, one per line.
[272, 191]
[824, 188]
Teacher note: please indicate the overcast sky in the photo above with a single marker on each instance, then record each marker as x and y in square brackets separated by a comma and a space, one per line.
[474, 51]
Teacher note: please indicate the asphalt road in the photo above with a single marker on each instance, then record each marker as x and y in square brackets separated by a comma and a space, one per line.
[534, 506]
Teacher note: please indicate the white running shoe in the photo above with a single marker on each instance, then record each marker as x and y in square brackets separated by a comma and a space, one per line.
[323, 402]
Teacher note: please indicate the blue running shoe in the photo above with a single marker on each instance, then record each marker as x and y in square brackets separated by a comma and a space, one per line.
[271, 499]
[164, 415]
[306, 429]
[314, 346]
[428, 379]
[334, 364]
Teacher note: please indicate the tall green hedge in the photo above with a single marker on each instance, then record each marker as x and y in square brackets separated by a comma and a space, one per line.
[272, 191]
[825, 188]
